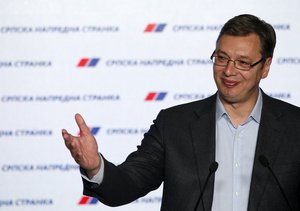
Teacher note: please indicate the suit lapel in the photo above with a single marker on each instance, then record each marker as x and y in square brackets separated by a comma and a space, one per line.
[203, 141]
[270, 137]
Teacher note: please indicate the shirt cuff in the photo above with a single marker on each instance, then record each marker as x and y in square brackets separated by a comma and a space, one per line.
[98, 178]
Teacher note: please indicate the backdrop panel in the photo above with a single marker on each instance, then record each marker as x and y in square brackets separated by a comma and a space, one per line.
[118, 63]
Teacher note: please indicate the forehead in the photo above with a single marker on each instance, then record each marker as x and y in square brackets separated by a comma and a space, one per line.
[248, 45]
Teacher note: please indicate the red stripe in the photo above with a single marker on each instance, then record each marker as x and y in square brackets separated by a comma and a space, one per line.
[84, 200]
[150, 96]
[150, 27]
[83, 62]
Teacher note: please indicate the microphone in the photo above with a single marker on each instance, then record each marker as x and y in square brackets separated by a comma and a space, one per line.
[265, 163]
[212, 169]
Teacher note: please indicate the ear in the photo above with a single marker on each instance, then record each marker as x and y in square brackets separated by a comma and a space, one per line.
[266, 67]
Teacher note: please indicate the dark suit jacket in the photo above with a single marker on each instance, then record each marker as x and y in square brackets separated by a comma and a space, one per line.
[180, 146]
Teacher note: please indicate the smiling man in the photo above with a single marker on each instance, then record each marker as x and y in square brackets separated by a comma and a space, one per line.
[254, 138]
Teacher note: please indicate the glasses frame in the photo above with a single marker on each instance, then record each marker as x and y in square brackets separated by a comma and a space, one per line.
[250, 65]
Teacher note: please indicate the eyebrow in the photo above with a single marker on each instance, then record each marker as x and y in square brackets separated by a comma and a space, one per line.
[239, 56]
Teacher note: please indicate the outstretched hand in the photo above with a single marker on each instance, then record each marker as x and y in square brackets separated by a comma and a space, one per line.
[83, 148]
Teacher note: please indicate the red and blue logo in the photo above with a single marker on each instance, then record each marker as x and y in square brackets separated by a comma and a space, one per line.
[87, 200]
[153, 27]
[156, 96]
[88, 62]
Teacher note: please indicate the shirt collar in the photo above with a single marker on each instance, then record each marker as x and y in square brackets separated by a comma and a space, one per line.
[255, 113]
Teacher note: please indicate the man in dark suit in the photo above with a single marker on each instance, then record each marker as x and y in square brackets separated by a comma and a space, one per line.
[249, 134]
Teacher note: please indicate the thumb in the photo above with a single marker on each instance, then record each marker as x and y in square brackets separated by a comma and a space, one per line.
[84, 129]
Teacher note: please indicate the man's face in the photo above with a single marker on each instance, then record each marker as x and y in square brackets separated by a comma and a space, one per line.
[234, 85]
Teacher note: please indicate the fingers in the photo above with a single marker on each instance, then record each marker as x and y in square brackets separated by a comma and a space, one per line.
[67, 137]
[72, 144]
[84, 129]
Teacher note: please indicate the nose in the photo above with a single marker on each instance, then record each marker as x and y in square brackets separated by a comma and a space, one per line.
[230, 68]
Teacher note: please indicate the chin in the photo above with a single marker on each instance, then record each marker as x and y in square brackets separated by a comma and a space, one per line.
[229, 98]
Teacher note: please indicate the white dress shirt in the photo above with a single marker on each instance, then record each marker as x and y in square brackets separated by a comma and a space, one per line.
[235, 149]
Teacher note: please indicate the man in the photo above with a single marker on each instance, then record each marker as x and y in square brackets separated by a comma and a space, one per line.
[249, 134]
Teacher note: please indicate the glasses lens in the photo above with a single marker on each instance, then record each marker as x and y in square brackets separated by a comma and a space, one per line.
[220, 60]
[238, 64]
[242, 65]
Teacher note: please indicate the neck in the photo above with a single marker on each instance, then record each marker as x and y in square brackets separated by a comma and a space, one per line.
[239, 111]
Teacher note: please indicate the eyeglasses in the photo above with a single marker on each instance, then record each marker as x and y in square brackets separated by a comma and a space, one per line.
[238, 64]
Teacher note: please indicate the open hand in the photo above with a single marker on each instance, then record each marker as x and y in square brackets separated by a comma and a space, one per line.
[83, 148]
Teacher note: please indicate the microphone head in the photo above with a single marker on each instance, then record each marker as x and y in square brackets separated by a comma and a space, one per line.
[213, 167]
[263, 160]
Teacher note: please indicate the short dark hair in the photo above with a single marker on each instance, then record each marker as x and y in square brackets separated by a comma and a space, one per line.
[246, 24]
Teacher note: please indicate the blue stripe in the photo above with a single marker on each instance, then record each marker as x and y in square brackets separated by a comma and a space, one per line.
[161, 96]
[93, 200]
[95, 130]
[93, 62]
[160, 27]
